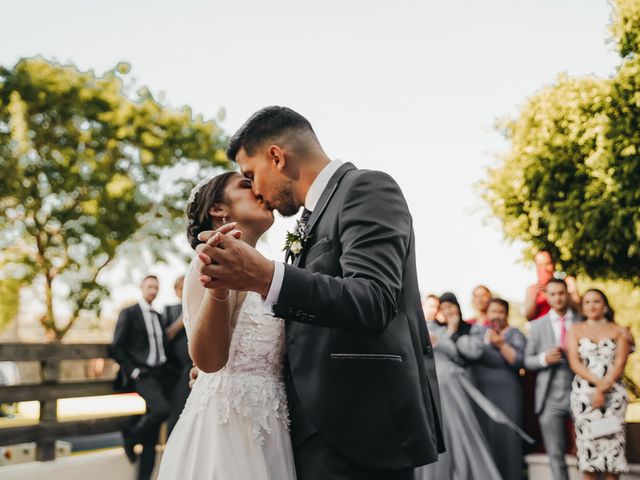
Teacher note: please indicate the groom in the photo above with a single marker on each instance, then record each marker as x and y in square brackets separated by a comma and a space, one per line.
[359, 369]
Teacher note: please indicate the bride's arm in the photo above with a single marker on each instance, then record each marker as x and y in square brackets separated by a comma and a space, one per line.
[211, 331]
[207, 321]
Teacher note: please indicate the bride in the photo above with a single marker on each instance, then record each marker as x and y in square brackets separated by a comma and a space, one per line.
[235, 422]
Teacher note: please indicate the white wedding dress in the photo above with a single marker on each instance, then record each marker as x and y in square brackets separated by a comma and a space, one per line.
[235, 423]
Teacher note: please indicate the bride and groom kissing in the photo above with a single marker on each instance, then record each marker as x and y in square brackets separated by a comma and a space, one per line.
[319, 367]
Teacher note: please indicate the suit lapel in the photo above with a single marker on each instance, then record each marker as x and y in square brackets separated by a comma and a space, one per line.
[328, 192]
[326, 196]
[551, 336]
[143, 326]
[140, 316]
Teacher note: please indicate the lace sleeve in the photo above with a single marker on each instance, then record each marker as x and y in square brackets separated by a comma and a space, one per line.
[192, 295]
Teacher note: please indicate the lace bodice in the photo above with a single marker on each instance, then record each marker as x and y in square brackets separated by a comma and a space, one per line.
[251, 383]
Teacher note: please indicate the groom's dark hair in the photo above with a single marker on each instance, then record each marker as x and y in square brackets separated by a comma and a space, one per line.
[270, 124]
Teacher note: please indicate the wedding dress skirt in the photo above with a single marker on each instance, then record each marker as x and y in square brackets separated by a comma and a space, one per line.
[235, 423]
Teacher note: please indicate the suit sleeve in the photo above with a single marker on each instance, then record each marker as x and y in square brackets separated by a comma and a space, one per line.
[470, 346]
[119, 345]
[374, 230]
[532, 351]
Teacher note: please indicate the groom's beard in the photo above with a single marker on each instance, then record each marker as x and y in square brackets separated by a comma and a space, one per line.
[284, 201]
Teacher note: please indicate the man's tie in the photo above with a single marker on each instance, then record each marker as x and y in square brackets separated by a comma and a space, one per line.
[157, 334]
[304, 219]
[563, 332]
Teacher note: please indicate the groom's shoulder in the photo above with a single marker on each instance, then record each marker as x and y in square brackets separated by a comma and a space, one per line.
[366, 177]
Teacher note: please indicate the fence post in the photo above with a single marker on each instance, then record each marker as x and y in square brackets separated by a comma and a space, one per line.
[48, 410]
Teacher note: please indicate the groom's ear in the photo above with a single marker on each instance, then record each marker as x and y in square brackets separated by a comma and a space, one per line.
[275, 154]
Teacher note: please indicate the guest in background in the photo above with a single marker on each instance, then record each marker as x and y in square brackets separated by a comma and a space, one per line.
[481, 298]
[139, 347]
[598, 350]
[431, 305]
[496, 374]
[467, 456]
[178, 358]
[536, 304]
[545, 354]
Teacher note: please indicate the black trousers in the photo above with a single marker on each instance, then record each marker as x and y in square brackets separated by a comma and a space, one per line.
[315, 459]
[153, 386]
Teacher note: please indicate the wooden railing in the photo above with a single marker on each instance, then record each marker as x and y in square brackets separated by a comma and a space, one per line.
[47, 393]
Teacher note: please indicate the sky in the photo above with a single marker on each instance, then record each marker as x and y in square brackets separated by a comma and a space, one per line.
[413, 88]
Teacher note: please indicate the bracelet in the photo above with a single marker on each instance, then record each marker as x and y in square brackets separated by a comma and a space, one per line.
[220, 299]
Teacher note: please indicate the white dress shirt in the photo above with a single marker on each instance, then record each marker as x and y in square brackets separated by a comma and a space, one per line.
[556, 326]
[310, 202]
[154, 333]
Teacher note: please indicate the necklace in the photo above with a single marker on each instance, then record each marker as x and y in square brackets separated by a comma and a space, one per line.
[602, 321]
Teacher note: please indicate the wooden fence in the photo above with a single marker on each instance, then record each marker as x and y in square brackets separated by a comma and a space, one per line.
[48, 429]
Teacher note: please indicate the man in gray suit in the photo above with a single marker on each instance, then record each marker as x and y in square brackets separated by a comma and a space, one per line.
[545, 353]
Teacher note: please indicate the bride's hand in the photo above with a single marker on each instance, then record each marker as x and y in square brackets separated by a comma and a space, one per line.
[226, 228]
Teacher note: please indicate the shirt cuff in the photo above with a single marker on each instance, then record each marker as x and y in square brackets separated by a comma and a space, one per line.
[276, 286]
[542, 359]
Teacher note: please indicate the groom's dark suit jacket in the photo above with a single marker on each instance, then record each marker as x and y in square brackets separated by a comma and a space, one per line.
[360, 368]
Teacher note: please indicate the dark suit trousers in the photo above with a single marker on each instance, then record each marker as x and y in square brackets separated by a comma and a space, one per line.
[316, 459]
[152, 386]
[180, 362]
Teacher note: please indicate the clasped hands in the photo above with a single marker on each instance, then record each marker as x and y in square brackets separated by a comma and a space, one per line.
[227, 262]
[495, 338]
[598, 399]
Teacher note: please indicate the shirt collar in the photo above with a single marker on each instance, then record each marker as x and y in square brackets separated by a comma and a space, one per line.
[319, 184]
[555, 315]
[145, 306]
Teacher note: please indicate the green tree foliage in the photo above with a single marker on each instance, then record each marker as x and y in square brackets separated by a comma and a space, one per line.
[569, 179]
[82, 168]
[9, 301]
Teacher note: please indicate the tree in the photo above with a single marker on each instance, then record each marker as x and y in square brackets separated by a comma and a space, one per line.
[569, 179]
[9, 301]
[83, 171]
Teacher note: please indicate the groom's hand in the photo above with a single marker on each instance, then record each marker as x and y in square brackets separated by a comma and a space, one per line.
[227, 262]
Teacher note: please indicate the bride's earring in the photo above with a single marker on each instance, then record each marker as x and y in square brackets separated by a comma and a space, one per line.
[224, 220]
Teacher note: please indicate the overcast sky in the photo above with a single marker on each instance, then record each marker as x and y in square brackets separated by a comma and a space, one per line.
[409, 87]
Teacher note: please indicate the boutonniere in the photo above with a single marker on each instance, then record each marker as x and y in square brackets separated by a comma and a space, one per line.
[296, 239]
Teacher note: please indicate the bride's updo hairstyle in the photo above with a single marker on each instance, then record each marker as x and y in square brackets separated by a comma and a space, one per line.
[198, 216]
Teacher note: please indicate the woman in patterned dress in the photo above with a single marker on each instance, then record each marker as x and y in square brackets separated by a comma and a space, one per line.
[597, 350]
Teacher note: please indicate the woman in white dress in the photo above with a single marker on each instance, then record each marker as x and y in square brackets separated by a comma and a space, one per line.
[235, 423]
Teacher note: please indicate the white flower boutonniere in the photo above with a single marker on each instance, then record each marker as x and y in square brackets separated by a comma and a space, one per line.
[295, 240]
